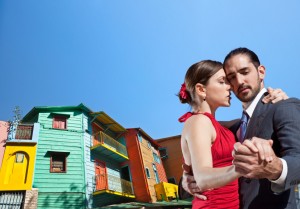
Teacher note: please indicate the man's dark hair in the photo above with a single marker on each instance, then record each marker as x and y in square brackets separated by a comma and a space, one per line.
[251, 55]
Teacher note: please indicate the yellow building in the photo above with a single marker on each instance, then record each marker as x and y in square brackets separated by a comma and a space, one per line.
[17, 168]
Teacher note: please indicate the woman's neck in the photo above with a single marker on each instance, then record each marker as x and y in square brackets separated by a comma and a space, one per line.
[204, 108]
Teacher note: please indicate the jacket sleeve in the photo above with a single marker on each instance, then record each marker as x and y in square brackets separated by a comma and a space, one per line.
[286, 123]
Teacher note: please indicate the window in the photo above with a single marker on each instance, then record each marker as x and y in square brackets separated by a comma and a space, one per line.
[140, 138]
[19, 157]
[156, 157]
[148, 173]
[155, 173]
[58, 163]
[59, 122]
[163, 152]
[149, 145]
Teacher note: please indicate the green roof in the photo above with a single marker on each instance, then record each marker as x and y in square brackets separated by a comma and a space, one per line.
[159, 204]
[38, 109]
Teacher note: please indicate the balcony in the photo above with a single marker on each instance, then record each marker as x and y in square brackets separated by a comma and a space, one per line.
[28, 133]
[109, 147]
[111, 189]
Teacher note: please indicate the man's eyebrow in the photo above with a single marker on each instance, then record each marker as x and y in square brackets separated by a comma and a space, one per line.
[242, 69]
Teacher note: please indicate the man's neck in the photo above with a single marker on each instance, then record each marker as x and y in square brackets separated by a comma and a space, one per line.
[250, 106]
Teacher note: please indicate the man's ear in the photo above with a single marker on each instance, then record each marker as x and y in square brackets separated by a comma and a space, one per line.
[200, 90]
[261, 72]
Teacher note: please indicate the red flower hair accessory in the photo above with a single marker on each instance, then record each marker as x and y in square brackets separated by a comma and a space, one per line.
[183, 92]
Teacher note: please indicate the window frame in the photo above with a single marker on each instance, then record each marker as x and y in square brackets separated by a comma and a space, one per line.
[60, 154]
[156, 176]
[148, 173]
[156, 158]
[140, 138]
[163, 152]
[19, 157]
[149, 144]
[55, 117]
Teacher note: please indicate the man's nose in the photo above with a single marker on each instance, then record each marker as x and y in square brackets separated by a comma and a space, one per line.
[239, 79]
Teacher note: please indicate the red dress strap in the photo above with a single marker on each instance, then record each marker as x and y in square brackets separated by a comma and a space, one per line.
[186, 116]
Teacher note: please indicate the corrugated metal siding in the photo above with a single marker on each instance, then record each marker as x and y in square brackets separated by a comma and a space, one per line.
[68, 186]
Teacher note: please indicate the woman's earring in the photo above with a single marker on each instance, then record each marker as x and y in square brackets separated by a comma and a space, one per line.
[204, 99]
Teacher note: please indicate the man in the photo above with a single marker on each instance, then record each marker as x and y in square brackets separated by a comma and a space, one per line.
[264, 185]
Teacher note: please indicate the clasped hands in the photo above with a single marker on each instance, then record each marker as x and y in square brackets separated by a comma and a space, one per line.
[255, 158]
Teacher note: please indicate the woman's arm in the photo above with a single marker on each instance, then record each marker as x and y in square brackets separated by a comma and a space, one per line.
[199, 135]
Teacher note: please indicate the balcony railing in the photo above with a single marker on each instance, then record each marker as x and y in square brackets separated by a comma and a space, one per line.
[104, 139]
[113, 183]
[24, 132]
[28, 133]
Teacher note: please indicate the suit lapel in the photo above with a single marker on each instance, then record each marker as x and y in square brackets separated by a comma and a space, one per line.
[255, 123]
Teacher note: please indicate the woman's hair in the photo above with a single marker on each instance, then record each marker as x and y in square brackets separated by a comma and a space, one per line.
[199, 72]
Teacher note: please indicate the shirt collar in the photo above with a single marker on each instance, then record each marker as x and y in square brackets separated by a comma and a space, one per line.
[250, 106]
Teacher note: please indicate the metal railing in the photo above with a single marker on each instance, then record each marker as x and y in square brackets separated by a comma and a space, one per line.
[113, 183]
[102, 138]
[11, 200]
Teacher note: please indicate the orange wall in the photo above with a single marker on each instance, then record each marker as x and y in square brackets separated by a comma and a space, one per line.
[174, 161]
[148, 161]
[141, 157]
[3, 137]
[136, 167]
[161, 172]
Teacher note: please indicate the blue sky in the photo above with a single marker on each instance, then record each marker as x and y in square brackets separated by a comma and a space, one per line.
[128, 58]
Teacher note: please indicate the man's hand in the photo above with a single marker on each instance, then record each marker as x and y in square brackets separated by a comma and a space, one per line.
[189, 184]
[256, 159]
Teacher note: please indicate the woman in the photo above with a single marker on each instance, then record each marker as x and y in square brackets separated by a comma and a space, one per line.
[207, 145]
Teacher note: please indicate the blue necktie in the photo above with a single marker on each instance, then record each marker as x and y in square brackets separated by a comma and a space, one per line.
[243, 126]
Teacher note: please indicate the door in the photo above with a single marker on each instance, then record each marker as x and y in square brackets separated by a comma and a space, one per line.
[17, 169]
[101, 177]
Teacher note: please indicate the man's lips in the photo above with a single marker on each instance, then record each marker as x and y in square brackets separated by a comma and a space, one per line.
[243, 89]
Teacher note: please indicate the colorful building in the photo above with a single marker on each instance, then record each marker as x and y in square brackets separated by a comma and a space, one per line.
[81, 160]
[17, 168]
[76, 158]
[172, 158]
[145, 164]
[111, 172]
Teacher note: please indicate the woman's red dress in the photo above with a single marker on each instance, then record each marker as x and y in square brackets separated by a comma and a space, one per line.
[226, 196]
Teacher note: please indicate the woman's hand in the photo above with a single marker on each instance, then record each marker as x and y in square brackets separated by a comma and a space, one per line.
[262, 147]
[275, 95]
